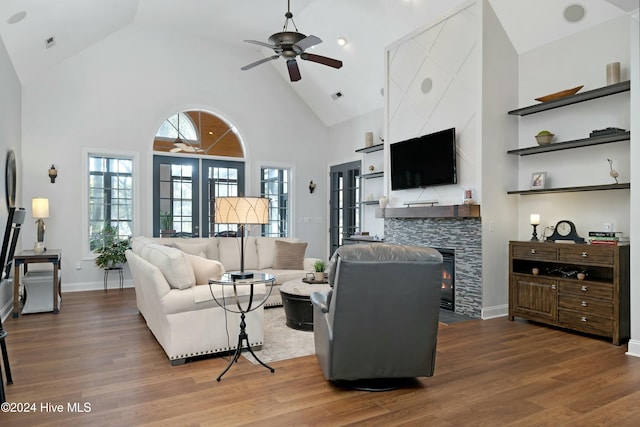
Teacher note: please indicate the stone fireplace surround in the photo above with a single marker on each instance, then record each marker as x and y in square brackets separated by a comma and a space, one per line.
[463, 235]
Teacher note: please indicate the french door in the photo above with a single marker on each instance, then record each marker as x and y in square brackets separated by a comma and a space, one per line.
[344, 198]
[220, 178]
[186, 196]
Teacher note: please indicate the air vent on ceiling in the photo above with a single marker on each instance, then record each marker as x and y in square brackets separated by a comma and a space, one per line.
[50, 42]
[336, 96]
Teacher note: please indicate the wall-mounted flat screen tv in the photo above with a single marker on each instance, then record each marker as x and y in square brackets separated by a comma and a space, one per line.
[424, 161]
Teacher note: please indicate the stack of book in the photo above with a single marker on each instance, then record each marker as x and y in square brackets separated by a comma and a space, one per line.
[613, 238]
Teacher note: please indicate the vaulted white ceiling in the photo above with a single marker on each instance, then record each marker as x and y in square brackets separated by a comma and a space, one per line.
[368, 25]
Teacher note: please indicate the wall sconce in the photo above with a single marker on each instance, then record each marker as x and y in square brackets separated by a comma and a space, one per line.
[312, 187]
[53, 173]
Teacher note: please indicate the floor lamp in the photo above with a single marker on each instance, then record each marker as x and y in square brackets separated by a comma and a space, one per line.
[241, 211]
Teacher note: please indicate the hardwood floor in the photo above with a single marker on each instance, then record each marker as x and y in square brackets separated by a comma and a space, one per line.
[98, 352]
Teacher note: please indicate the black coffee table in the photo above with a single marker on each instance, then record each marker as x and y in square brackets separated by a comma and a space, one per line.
[296, 300]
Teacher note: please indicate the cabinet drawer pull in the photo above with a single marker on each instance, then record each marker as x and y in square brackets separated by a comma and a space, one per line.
[533, 251]
[584, 255]
[583, 319]
[583, 288]
[584, 303]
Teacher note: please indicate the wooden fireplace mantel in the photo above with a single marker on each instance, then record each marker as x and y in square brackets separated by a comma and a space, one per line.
[445, 211]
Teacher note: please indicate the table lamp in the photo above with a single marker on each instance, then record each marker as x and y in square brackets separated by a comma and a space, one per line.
[39, 211]
[241, 211]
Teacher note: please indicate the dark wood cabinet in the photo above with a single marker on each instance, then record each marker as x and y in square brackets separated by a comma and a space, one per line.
[598, 304]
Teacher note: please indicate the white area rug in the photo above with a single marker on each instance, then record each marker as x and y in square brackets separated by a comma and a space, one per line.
[280, 341]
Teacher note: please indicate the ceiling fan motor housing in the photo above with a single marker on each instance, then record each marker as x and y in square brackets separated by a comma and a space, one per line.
[285, 41]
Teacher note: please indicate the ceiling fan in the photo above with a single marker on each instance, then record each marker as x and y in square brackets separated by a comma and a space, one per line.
[291, 44]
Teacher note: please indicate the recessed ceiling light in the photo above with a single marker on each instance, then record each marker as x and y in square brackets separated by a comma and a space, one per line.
[574, 13]
[342, 41]
[17, 17]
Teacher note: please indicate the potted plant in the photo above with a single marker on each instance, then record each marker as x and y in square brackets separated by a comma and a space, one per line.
[319, 268]
[166, 224]
[111, 252]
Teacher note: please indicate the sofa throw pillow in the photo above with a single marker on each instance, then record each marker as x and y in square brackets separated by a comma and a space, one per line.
[173, 263]
[205, 269]
[267, 250]
[289, 256]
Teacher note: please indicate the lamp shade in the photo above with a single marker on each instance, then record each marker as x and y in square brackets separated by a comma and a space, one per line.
[242, 210]
[40, 207]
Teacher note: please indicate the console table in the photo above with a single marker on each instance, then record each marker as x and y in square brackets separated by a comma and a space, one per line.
[228, 280]
[580, 287]
[29, 257]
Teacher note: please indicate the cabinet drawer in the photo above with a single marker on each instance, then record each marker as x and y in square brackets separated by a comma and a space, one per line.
[585, 254]
[586, 306]
[588, 289]
[536, 252]
[585, 322]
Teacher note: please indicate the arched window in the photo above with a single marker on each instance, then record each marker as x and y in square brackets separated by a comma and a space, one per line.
[198, 132]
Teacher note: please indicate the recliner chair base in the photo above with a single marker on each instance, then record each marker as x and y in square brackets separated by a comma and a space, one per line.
[376, 384]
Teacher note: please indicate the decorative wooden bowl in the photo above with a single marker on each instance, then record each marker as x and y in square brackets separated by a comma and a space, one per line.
[561, 94]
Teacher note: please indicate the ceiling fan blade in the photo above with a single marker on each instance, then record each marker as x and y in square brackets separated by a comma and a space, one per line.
[294, 71]
[261, 61]
[307, 42]
[270, 46]
[175, 150]
[321, 60]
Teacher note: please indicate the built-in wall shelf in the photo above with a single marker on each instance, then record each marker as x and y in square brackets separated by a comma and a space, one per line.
[372, 175]
[370, 202]
[576, 143]
[371, 149]
[445, 211]
[574, 99]
[623, 186]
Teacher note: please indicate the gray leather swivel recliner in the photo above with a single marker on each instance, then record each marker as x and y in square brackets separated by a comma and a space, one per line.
[378, 326]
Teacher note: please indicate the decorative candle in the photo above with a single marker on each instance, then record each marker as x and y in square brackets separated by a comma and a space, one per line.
[368, 139]
[535, 219]
[613, 73]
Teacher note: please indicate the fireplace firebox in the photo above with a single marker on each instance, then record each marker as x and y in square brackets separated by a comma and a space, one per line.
[447, 297]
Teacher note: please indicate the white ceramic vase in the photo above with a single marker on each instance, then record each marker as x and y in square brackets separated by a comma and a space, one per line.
[383, 202]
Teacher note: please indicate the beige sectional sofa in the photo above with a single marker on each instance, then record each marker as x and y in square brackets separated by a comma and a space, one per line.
[171, 277]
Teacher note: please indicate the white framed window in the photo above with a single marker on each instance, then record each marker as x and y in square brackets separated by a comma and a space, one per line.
[110, 196]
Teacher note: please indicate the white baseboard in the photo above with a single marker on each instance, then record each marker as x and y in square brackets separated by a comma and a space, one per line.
[633, 349]
[495, 311]
[6, 310]
[93, 286]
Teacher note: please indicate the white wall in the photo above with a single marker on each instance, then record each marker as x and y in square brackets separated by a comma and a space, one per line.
[447, 52]
[634, 343]
[116, 94]
[10, 139]
[576, 60]
[499, 134]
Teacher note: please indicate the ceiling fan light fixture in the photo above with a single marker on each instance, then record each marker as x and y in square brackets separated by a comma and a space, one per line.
[291, 45]
[342, 41]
